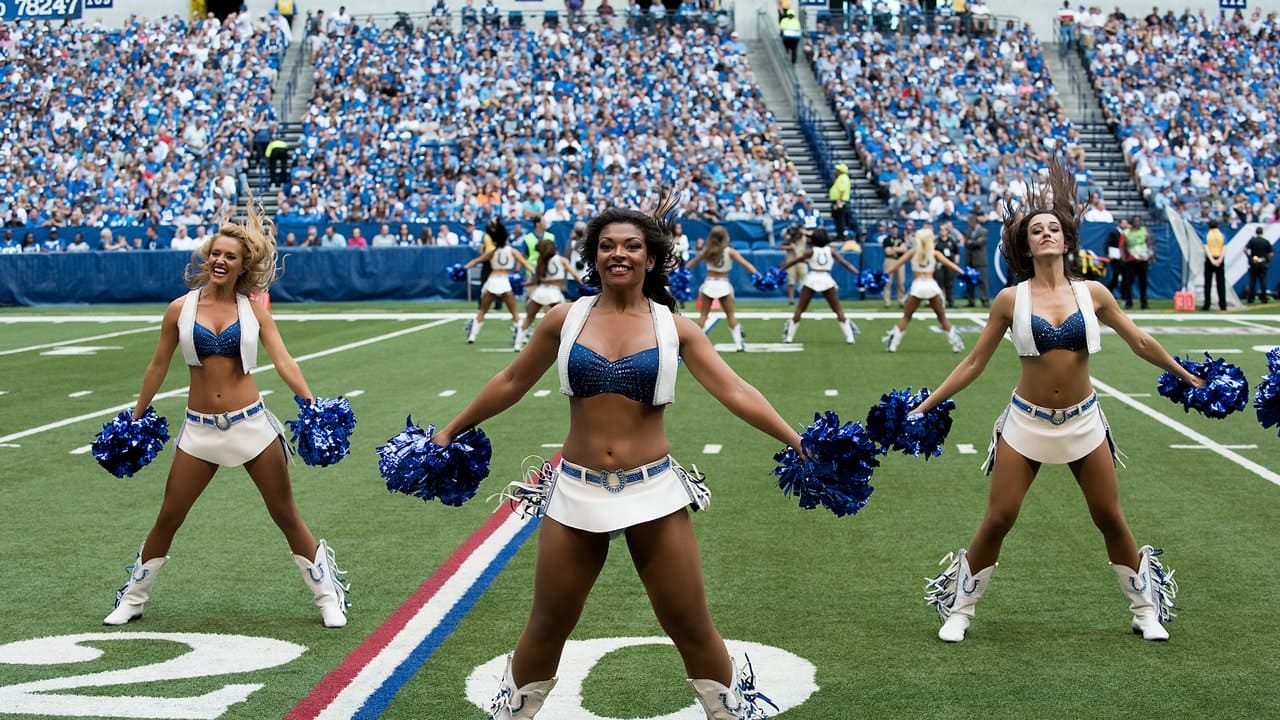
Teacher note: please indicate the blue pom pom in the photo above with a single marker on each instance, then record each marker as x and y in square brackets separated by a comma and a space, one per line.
[837, 470]
[1225, 391]
[682, 285]
[969, 277]
[1266, 402]
[125, 446]
[457, 272]
[590, 290]
[872, 282]
[918, 435]
[412, 464]
[322, 432]
[517, 283]
[770, 279]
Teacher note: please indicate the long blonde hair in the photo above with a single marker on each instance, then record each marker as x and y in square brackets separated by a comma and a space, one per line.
[924, 244]
[256, 234]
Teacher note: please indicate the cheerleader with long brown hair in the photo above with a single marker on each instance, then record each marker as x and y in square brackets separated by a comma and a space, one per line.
[1054, 415]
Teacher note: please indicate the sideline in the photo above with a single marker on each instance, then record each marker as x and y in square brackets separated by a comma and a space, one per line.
[1244, 462]
[183, 390]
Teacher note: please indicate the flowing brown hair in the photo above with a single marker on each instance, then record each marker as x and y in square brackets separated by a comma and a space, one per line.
[1056, 197]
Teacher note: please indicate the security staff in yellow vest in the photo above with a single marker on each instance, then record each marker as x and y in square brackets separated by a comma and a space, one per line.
[530, 240]
[278, 161]
[286, 8]
[789, 27]
[839, 196]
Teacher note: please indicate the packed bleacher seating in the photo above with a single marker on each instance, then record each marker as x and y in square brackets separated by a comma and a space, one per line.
[949, 122]
[434, 125]
[149, 123]
[1193, 99]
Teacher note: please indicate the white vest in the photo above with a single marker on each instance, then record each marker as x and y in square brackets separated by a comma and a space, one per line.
[725, 264]
[821, 260]
[555, 270]
[1024, 342]
[248, 331]
[502, 259]
[664, 326]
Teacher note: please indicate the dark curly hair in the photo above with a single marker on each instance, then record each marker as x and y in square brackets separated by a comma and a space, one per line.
[658, 228]
[1057, 197]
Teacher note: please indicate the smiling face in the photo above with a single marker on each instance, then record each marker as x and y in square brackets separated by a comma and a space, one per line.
[226, 260]
[622, 257]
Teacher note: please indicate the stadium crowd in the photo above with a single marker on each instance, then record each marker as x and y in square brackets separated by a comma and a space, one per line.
[949, 122]
[427, 124]
[151, 123]
[1192, 99]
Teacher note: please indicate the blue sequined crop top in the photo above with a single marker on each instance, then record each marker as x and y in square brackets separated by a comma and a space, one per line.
[633, 376]
[1067, 336]
[225, 343]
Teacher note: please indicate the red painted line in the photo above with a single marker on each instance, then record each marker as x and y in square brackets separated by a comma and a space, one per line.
[324, 693]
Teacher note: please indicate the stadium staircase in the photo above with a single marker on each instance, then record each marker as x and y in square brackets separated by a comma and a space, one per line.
[292, 91]
[793, 95]
[1103, 156]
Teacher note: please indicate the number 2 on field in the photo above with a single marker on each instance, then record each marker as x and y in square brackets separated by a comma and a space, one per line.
[210, 655]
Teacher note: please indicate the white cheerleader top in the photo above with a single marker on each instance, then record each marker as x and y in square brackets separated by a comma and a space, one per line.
[664, 325]
[725, 264]
[1023, 340]
[248, 331]
[928, 266]
[555, 270]
[821, 260]
[503, 259]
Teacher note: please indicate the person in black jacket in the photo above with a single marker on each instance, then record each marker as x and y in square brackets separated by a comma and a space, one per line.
[1259, 254]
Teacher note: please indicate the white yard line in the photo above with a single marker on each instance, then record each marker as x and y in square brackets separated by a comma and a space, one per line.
[60, 343]
[1249, 323]
[1244, 462]
[183, 391]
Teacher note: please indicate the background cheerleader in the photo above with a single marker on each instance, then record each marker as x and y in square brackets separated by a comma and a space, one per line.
[1054, 415]
[820, 259]
[548, 286]
[924, 261]
[226, 423]
[719, 258]
[502, 260]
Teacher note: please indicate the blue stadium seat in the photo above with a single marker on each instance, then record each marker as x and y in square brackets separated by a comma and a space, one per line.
[551, 18]
[515, 19]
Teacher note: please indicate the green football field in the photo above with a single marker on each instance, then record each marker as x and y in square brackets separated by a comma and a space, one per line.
[830, 609]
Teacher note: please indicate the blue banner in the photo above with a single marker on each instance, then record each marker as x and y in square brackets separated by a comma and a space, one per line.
[41, 9]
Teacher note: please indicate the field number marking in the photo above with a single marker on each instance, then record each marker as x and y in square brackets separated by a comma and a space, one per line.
[787, 679]
[210, 655]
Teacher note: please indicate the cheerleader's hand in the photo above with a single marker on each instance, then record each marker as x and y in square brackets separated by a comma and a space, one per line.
[442, 438]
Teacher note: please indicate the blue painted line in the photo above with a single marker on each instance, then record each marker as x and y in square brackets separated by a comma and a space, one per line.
[382, 697]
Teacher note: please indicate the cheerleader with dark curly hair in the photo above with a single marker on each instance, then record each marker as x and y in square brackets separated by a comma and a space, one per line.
[226, 423]
[617, 354]
[1054, 415]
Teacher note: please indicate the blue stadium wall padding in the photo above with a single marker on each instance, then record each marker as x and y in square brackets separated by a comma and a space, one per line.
[418, 273]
